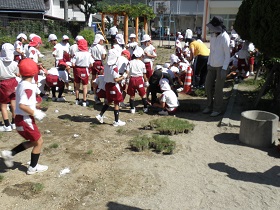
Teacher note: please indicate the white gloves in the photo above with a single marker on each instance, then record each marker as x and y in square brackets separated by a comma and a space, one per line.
[38, 114]
[146, 84]
[223, 74]
[124, 75]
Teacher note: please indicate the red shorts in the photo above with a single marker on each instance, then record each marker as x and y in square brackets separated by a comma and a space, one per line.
[27, 128]
[8, 90]
[242, 65]
[97, 67]
[149, 71]
[101, 94]
[81, 75]
[113, 93]
[252, 60]
[136, 83]
[53, 81]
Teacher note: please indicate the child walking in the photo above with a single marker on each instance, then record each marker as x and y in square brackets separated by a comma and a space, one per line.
[25, 123]
[112, 87]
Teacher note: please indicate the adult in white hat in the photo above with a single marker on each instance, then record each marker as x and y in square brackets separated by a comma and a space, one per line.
[113, 31]
[218, 62]
[149, 54]
[18, 47]
[8, 84]
[98, 52]
[113, 92]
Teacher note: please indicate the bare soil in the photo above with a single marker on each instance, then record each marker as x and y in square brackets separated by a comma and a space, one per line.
[210, 168]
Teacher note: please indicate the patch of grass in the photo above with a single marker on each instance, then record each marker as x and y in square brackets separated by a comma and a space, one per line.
[160, 144]
[251, 82]
[89, 152]
[37, 187]
[171, 125]
[121, 130]
[45, 103]
[93, 125]
[141, 112]
[54, 146]
[1, 178]
[199, 92]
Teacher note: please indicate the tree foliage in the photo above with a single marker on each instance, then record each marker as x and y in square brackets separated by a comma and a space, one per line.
[242, 21]
[87, 7]
[138, 10]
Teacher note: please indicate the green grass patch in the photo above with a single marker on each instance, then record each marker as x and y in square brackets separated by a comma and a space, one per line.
[199, 92]
[54, 146]
[171, 125]
[1, 178]
[141, 112]
[121, 130]
[89, 152]
[160, 144]
[37, 187]
[258, 83]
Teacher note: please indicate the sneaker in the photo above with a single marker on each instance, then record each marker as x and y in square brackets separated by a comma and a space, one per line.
[252, 74]
[8, 158]
[119, 123]
[85, 103]
[132, 111]
[215, 114]
[165, 113]
[180, 90]
[145, 110]
[5, 129]
[13, 125]
[61, 99]
[37, 169]
[100, 118]
[53, 98]
[207, 110]
[77, 102]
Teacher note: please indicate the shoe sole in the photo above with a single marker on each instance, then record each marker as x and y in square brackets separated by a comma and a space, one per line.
[34, 172]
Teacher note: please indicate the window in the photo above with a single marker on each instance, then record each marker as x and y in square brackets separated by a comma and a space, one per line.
[61, 4]
[70, 6]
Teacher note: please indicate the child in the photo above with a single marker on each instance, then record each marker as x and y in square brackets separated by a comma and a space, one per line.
[178, 48]
[137, 72]
[58, 49]
[168, 100]
[132, 44]
[18, 46]
[119, 44]
[56, 78]
[98, 53]
[25, 123]
[149, 54]
[113, 93]
[81, 63]
[8, 84]
[99, 88]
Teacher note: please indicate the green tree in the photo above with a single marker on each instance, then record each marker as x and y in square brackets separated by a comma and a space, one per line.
[242, 21]
[87, 7]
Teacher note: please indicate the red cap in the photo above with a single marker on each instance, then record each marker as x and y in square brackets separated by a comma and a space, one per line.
[28, 68]
[82, 45]
[61, 63]
[127, 53]
[35, 41]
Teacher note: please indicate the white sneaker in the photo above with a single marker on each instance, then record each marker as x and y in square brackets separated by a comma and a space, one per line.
[252, 74]
[180, 90]
[145, 110]
[207, 110]
[5, 129]
[100, 118]
[37, 169]
[61, 99]
[77, 102]
[85, 103]
[53, 99]
[8, 158]
[165, 113]
[215, 114]
[132, 111]
[13, 125]
[119, 123]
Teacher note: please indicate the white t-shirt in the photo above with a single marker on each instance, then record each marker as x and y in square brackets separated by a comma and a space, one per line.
[136, 68]
[170, 99]
[8, 70]
[97, 51]
[110, 73]
[33, 54]
[113, 30]
[189, 34]
[100, 82]
[118, 49]
[73, 50]
[122, 64]
[25, 94]
[150, 50]
[58, 51]
[82, 59]
[18, 45]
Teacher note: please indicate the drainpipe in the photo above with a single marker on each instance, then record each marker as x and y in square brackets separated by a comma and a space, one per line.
[205, 18]
[66, 10]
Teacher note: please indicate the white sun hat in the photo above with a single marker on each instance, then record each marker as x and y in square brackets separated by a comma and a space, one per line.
[22, 35]
[146, 38]
[112, 57]
[119, 38]
[52, 37]
[138, 52]
[7, 52]
[132, 36]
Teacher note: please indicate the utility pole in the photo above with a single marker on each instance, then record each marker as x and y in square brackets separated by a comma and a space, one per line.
[66, 10]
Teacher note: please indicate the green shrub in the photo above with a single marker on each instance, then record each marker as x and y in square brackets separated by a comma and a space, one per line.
[7, 39]
[88, 34]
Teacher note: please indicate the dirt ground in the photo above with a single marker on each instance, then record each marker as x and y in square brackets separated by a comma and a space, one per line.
[210, 168]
